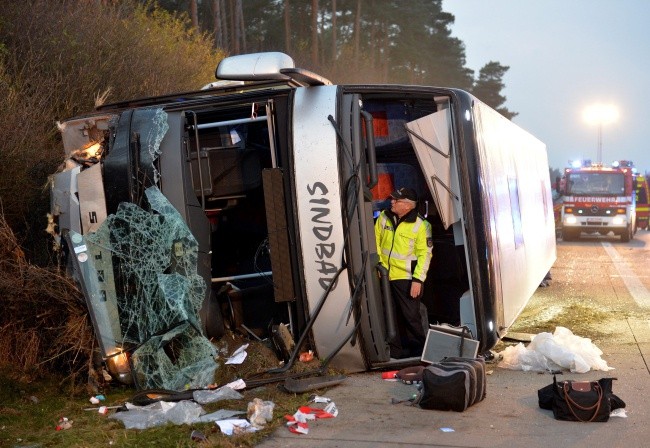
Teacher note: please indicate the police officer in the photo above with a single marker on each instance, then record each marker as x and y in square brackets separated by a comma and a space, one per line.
[404, 246]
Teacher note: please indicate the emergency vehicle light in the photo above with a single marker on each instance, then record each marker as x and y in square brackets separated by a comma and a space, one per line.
[579, 163]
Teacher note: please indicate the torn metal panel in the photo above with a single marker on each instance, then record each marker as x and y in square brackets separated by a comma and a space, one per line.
[81, 133]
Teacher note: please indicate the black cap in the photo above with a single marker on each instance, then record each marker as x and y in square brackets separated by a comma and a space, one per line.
[405, 193]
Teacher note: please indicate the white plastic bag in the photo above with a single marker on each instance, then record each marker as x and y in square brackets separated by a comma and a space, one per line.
[518, 357]
[546, 344]
[547, 351]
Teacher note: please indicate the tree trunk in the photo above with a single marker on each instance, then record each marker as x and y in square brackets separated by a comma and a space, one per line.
[357, 35]
[224, 25]
[233, 31]
[287, 26]
[334, 46]
[314, 33]
[217, 29]
[241, 30]
[194, 14]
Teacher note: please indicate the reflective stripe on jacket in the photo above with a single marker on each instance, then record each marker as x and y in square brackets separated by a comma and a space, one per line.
[404, 246]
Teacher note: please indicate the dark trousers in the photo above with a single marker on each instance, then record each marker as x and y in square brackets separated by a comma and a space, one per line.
[410, 337]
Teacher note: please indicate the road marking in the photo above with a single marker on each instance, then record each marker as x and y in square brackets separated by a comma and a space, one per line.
[638, 292]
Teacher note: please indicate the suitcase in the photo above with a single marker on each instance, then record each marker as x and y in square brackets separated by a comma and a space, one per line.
[481, 377]
[452, 384]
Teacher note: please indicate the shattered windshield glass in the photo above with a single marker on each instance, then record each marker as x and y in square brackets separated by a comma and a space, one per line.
[151, 126]
[157, 294]
[140, 279]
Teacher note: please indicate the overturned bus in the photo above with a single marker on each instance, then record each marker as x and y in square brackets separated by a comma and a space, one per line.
[252, 202]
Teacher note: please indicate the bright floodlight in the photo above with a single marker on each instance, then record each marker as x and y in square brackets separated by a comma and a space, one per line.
[598, 114]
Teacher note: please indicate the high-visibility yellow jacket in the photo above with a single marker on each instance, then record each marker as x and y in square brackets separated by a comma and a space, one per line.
[404, 245]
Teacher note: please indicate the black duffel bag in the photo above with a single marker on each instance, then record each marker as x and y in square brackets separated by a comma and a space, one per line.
[452, 384]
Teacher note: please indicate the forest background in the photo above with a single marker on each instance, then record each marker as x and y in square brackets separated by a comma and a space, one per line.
[59, 58]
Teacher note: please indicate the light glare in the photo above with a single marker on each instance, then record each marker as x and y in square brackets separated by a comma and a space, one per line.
[600, 114]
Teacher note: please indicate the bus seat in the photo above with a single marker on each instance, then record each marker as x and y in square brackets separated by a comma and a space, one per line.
[389, 177]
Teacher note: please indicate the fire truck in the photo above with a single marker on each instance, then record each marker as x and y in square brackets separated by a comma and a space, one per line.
[642, 196]
[598, 199]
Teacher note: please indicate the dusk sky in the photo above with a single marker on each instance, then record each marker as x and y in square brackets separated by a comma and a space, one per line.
[565, 55]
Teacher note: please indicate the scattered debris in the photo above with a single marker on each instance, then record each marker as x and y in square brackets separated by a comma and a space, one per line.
[64, 424]
[96, 399]
[198, 436]
[297, 423]
[238, 356]
[159, 413]
[260, 412]
[390, 376]
[237, 384]
[221, 414]
[123, 407]
[235, 426]
[211, 396]
[318, 399]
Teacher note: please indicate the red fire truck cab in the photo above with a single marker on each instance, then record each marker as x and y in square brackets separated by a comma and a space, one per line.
[599, 199]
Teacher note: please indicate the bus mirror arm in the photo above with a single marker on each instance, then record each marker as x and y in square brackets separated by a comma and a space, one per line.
[391, 332]
[370, 149]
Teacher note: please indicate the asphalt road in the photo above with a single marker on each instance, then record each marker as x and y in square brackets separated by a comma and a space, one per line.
[600, 289]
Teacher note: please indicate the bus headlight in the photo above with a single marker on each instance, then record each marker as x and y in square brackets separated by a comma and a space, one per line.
[118, 366]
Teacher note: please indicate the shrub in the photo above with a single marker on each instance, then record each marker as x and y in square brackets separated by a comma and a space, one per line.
[56, 59]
